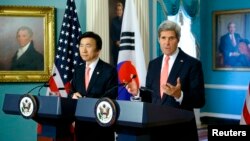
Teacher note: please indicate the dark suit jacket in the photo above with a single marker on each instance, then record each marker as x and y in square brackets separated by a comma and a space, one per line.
[190, 72]
[30, 60]
[103, 79]
[115, 32]
[226, 47]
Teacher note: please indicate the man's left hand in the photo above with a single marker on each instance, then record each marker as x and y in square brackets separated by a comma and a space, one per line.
[172, 90]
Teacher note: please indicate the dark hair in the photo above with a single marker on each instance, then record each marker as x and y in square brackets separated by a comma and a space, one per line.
[90, 34]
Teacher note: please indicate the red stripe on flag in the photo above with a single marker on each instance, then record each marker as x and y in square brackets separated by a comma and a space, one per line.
[67, 87]
[53, 86]
[246, 114]
[39, 128]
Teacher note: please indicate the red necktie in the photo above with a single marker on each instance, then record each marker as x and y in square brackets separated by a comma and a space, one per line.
[87, 77]
[164, 74]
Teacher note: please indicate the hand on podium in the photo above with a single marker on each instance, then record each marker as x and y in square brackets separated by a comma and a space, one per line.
[132, 87]
[76, 95]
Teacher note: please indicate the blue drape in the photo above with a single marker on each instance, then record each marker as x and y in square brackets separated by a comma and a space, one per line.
[190, 6]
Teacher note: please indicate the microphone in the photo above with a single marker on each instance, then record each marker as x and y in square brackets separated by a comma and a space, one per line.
[146, 94]
[146, 89]
[121, 84]
[133, 77]
[41, 86]
[125, 84]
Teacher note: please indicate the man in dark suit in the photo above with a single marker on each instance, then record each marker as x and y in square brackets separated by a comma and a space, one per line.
[26, 58]
[182, 88]
[229, 46]
[92, 79]
[115, 31]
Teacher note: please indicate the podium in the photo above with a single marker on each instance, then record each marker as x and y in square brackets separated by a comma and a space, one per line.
[136, 120]
[54, 114]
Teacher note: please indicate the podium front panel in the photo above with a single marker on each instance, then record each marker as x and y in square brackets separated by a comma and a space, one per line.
[10, 104]
[135, 114]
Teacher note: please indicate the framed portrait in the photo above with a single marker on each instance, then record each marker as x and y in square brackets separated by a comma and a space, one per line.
[231, 36]
[27, 43]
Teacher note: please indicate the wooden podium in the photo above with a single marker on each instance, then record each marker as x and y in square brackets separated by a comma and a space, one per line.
[54, 114]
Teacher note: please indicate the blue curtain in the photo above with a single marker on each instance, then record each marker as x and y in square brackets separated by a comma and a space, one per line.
[172, 6]
[247, 23]
[190, 6]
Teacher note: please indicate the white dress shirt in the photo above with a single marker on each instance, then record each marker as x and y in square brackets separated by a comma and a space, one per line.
[22, 50]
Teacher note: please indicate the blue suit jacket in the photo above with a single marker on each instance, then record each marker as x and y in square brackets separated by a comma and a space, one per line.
[190, 72]
[103, 79]
[226, 47]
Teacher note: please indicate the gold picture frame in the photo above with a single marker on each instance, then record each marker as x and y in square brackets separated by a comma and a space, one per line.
[39, 24]
[227, 50]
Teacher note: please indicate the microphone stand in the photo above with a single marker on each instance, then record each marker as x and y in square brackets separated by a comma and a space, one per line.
[125, 84]
[34, 88]
[45, 84]
[111, 89]
[122, 84]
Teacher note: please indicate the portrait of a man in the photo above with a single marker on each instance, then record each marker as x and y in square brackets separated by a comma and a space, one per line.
[26, 43]
[231, 38]
[228, 46]
[22, 44]
[26, 57]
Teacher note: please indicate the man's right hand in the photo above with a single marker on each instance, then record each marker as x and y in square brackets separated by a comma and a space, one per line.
[132, 87]
[117, 43]
[76, 95]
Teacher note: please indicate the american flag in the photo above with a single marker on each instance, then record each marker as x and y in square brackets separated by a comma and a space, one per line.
[67, 53]
[245, 116]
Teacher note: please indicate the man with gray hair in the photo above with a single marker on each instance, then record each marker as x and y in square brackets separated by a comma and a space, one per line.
[174, 79]
[26, 58]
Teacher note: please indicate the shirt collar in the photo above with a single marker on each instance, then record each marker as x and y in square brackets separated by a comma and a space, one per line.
[172, 56]
[93, 64]
[23, 49]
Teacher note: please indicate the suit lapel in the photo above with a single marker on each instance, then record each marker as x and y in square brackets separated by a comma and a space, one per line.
[176, 68]
[173, 75]
[158, 75]
[95, 75]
